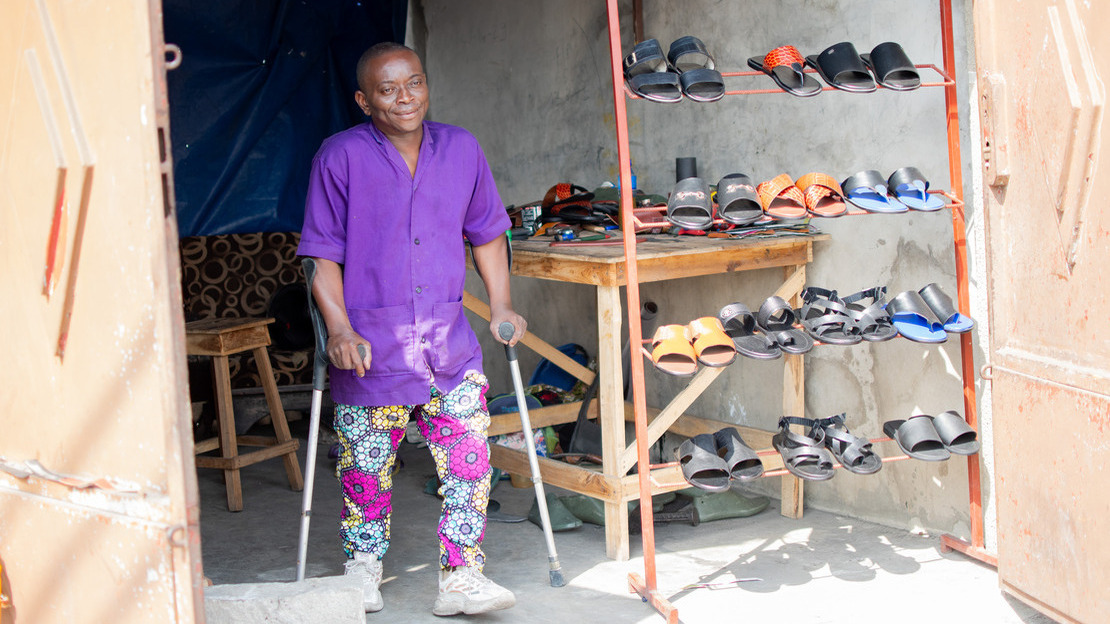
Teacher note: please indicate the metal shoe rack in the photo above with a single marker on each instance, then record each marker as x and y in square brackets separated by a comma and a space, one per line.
[646, 585]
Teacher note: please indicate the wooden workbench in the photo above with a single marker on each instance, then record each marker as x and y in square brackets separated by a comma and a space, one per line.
[658, 258]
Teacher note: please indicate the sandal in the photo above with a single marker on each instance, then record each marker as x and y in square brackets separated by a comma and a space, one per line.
[957, 436]
[737, 201]
[785, 66]
[803, 456]
[711, 345]
[701, 466]
[739, 324]
[781, 199]
[645, 70]
[823, 196]
[868, 190]
[872, 321]
[671, 351]
[914, 319]
[700, 80]
[776, 319]
[911, 188]
[743, 462]
[689, 205]
[917, 437]
[892, 68]
[941, 305]
[841, 67]
[826, 318]
[854, 453]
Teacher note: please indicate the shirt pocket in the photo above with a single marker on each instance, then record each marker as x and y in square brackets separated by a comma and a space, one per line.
[453, 341]
[390, 333]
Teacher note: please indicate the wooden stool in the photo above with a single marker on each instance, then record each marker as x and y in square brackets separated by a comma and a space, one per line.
[219, 338]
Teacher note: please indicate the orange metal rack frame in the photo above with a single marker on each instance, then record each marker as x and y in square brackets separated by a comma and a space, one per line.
[646, 585]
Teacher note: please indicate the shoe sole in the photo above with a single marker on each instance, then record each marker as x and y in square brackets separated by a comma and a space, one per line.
[455, 606]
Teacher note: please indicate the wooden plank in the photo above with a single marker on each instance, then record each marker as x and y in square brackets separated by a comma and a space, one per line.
[204, 446]
[793, 402]
[535, 343]
[277, 417]
[664, 419]
[540, 417]
[611, 396]
[556, 473]
[229, 448]
[725, 261]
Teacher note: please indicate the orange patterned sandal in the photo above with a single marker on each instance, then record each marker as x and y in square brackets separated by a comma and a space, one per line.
[781, 199]
[823, 196]
[786, 66]
[672, 352]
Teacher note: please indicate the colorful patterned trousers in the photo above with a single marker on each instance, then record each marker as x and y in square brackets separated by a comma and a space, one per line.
[454, 425]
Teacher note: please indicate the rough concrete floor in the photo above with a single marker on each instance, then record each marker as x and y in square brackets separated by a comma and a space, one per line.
[822, 568]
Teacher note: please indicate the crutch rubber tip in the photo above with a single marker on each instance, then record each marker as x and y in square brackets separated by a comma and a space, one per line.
[557, 579]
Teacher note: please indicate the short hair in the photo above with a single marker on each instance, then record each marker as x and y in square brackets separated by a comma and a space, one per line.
[373, 52]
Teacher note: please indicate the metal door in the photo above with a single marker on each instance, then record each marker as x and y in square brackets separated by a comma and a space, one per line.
[98, 514]
[1042, 65]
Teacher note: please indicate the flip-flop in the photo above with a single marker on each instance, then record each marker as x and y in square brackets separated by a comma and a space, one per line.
[868, 190]
[872, 320]
[776, 318]
[646, 57]
[954, 431]
[803, 456]
[739, 324]
[917, 437]
[892, 68]
[941, 305]
[841, 67]
[671, 351]
[702, 85]
[913, 318]
[911, 188]
[743, 462]
[737, 201]
[701, 466]
[786, 66]
[781, 199]
[823, 195]
[826, 318]
[853, 452]
[689, 205]
[711, 345]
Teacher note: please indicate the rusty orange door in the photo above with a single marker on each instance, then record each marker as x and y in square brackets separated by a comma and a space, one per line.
[97, 485]
[1042, 66]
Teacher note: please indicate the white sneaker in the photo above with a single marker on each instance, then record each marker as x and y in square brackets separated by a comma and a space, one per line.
[466, 590]
[369, 568]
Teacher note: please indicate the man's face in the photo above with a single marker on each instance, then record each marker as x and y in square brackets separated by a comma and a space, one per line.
[394, 93]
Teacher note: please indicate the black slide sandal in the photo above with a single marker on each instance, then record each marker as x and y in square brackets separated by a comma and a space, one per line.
[743, 462]
[701, 466]
[892, 68]
[917, 437]
[841, 67]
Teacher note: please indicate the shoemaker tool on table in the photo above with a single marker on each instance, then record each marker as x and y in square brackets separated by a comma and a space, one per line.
[506, 330]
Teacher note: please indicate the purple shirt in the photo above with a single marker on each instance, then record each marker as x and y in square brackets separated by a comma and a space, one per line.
[400, 241]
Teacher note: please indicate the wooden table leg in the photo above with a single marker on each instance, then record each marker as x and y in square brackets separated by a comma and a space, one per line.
[277, 416]
[793, 404]
[611, 404]
[229, 446]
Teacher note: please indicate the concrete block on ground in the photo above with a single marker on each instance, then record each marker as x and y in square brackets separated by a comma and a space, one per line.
[332, 599]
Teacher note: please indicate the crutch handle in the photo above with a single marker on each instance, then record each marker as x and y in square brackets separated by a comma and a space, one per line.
[506, 331]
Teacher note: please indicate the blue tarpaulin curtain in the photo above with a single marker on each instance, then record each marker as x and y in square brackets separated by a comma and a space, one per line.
[261, 84]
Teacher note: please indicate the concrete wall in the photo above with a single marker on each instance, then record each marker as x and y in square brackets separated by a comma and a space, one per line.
[532, 81]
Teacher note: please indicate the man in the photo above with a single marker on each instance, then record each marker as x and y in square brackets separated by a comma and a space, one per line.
[388, 204]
